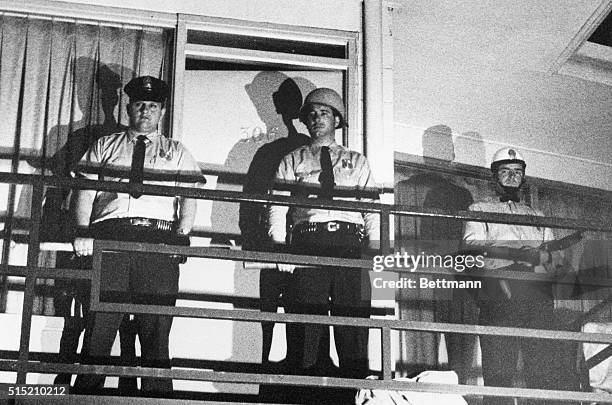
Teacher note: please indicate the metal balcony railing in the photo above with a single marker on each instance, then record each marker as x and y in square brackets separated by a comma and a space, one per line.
[25, 364]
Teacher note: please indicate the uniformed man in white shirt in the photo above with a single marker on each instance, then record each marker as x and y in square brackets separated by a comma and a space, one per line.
[326, 170]
[139, 155]
[514, 303]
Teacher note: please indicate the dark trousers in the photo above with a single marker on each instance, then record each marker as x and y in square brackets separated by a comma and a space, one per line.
[500, 353]
[68, 291]
[329, 290]
[310, 294]
[272, 286]
[139, 278]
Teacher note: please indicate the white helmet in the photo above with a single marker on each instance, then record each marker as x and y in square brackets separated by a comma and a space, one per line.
[506, 155]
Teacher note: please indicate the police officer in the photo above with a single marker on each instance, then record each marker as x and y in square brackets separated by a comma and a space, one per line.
[324, 169]
[142, 278]
[514, 303]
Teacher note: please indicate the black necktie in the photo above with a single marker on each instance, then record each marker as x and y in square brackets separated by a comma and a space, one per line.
[136, 172]
[326, 178]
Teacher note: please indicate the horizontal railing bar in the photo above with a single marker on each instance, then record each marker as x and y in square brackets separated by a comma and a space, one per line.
[199, 193]
[235, 178]
[45, 272]
[273, 257]
[116, 400]
[585, 224]
[176, 362]
[270, 257]
[242, 302]
[311, 381]
[238, 301]
[20, 225]
[85, 274]
[232, 254]
[396, 324]
[594, 224]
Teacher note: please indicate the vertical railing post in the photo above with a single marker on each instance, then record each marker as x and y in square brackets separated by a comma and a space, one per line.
[6, 243]
[96, 269]
[30, 281]
[178, 79]
[387, 365]
[385, 244]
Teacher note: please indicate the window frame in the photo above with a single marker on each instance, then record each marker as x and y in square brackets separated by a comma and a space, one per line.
[348, 65]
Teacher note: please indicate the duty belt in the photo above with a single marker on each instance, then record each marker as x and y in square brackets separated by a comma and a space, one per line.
[149, 223]
[328, 227]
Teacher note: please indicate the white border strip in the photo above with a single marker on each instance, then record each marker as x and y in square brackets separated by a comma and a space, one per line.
[81, 12]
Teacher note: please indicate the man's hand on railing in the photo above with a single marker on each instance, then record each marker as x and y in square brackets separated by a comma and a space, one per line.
[285, 267]
[552, 261]
[83, 246]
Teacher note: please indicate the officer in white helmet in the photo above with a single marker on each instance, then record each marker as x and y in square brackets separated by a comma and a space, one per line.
[514, 303]
[508, 168]
[328, 171]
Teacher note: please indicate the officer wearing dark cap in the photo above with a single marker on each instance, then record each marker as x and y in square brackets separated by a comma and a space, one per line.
[139, 155]
[147, 88]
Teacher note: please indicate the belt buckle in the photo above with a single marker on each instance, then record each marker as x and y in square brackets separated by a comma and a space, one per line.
[332, 226]
[140, 221]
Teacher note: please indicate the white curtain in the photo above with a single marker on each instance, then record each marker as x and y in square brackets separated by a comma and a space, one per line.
[61, 87]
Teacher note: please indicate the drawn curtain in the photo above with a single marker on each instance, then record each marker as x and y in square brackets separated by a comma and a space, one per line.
[60, 89]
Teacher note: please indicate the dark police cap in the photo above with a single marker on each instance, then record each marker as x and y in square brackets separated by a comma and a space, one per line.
[147, 88]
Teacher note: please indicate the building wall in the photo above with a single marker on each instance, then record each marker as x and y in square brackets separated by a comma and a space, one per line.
[488, 85]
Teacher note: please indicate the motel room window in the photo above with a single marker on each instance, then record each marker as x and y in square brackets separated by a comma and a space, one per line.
[239, 86]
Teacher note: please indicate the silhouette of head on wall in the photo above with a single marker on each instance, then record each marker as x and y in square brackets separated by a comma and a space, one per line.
[288, 100]
[97, 82]
[261, 92]
[98, 89]
[110, 86]
[438, 143]
[278, 98]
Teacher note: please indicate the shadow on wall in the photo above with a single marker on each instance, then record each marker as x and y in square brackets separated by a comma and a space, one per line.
[98, 88]
[98, 97]
[438, 143]
[64, 145]
[277, 98]
[287, 101]
[428, 189]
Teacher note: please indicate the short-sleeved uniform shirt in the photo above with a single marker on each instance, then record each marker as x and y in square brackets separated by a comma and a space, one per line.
[110, 159]
[302, 167]
[505, 235]
[511, 236]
